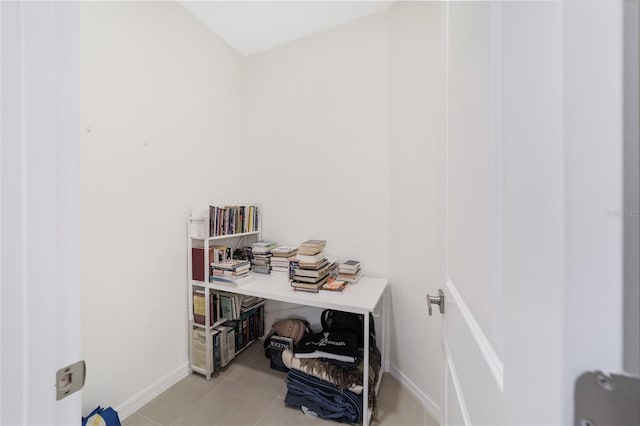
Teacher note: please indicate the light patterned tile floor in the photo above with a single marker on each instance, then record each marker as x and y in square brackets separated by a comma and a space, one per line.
[248, 393]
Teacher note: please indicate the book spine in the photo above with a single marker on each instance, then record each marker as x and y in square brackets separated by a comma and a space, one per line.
[198, 308]
[213, 317]
[252, 327]
[199, 348]
[197, 264]
[231, 343]
[261, 321]
[216, 351]
[293, 265]
[245, 332]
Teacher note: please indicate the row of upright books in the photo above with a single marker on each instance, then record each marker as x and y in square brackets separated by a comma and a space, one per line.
[211, 221]
[222, 306]
[231, 220]
[231, 336]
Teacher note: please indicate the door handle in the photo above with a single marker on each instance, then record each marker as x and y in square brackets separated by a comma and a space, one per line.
[437, 300]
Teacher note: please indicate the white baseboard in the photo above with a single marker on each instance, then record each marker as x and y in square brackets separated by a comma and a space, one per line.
[432, 408]
[137, 401]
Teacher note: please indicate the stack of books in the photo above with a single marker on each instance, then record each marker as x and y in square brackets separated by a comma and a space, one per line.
[311, 268]
[280, 258]
[261, 252]
[231, 272]
[250, 302]
[349, 271]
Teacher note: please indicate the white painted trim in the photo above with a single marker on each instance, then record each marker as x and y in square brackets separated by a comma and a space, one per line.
[456, 385]
[497, 190]
[486, 348]
[432, 408]
[137, 401]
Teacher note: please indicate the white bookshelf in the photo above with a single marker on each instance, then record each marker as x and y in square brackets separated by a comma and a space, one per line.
[198, 236]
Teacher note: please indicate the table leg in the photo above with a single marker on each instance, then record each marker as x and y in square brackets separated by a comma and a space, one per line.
[365, 378]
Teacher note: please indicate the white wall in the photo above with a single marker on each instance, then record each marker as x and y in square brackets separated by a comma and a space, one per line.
[417, 205]
[316, 134]
[159, 119]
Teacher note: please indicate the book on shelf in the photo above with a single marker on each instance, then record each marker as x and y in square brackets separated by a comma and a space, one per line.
[309, 251]
[261, 269]
[312, 266]
[263, 246]
[232, 265]
[228, 220]
[334, 285]
[220, 254]
[293, 265]
[307, 290]
[229, 274]
[314, 243]
[277, 345]
[199, 307]
[197, 263]
[240, 280]
[351, 278]
[199, 348]
[284, 251]
[306, 286]
[231, 342]
[250, 302]
[223, 343]
[311, 247]
[228, 307]
[316, 258]
[317, 269]
[215, 338]
[280, 261]
[350, 265]
[310, 280]
[235, 325]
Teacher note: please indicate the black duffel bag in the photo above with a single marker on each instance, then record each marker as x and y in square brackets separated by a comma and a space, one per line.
[347, 322]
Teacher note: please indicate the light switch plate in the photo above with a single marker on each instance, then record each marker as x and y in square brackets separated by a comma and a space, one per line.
[603, 399]
[70, 379]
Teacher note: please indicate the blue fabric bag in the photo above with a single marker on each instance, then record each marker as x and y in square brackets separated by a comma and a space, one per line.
[102, 417]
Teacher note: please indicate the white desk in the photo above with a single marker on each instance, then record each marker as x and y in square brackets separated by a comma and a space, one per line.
[360, 298]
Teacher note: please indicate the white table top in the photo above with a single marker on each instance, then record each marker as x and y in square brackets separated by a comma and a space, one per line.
[361, 297]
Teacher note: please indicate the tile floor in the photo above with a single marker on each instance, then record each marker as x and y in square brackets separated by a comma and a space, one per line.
[247, 393]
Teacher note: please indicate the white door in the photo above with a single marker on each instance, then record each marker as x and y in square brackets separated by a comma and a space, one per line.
[40, 292]
[533, 292]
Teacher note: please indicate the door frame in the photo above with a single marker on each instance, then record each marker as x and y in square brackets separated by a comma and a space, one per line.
[39, 210]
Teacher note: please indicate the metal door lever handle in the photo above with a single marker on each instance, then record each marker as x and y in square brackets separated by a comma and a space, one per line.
[437, 300]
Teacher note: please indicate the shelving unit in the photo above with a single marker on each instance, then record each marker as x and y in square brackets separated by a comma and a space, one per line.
[201, 335]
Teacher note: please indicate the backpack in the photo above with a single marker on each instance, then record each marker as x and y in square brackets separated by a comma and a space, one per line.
[347, 322]
[102, 417]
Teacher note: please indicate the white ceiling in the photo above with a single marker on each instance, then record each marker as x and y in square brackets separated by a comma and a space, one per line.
[253, 26]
